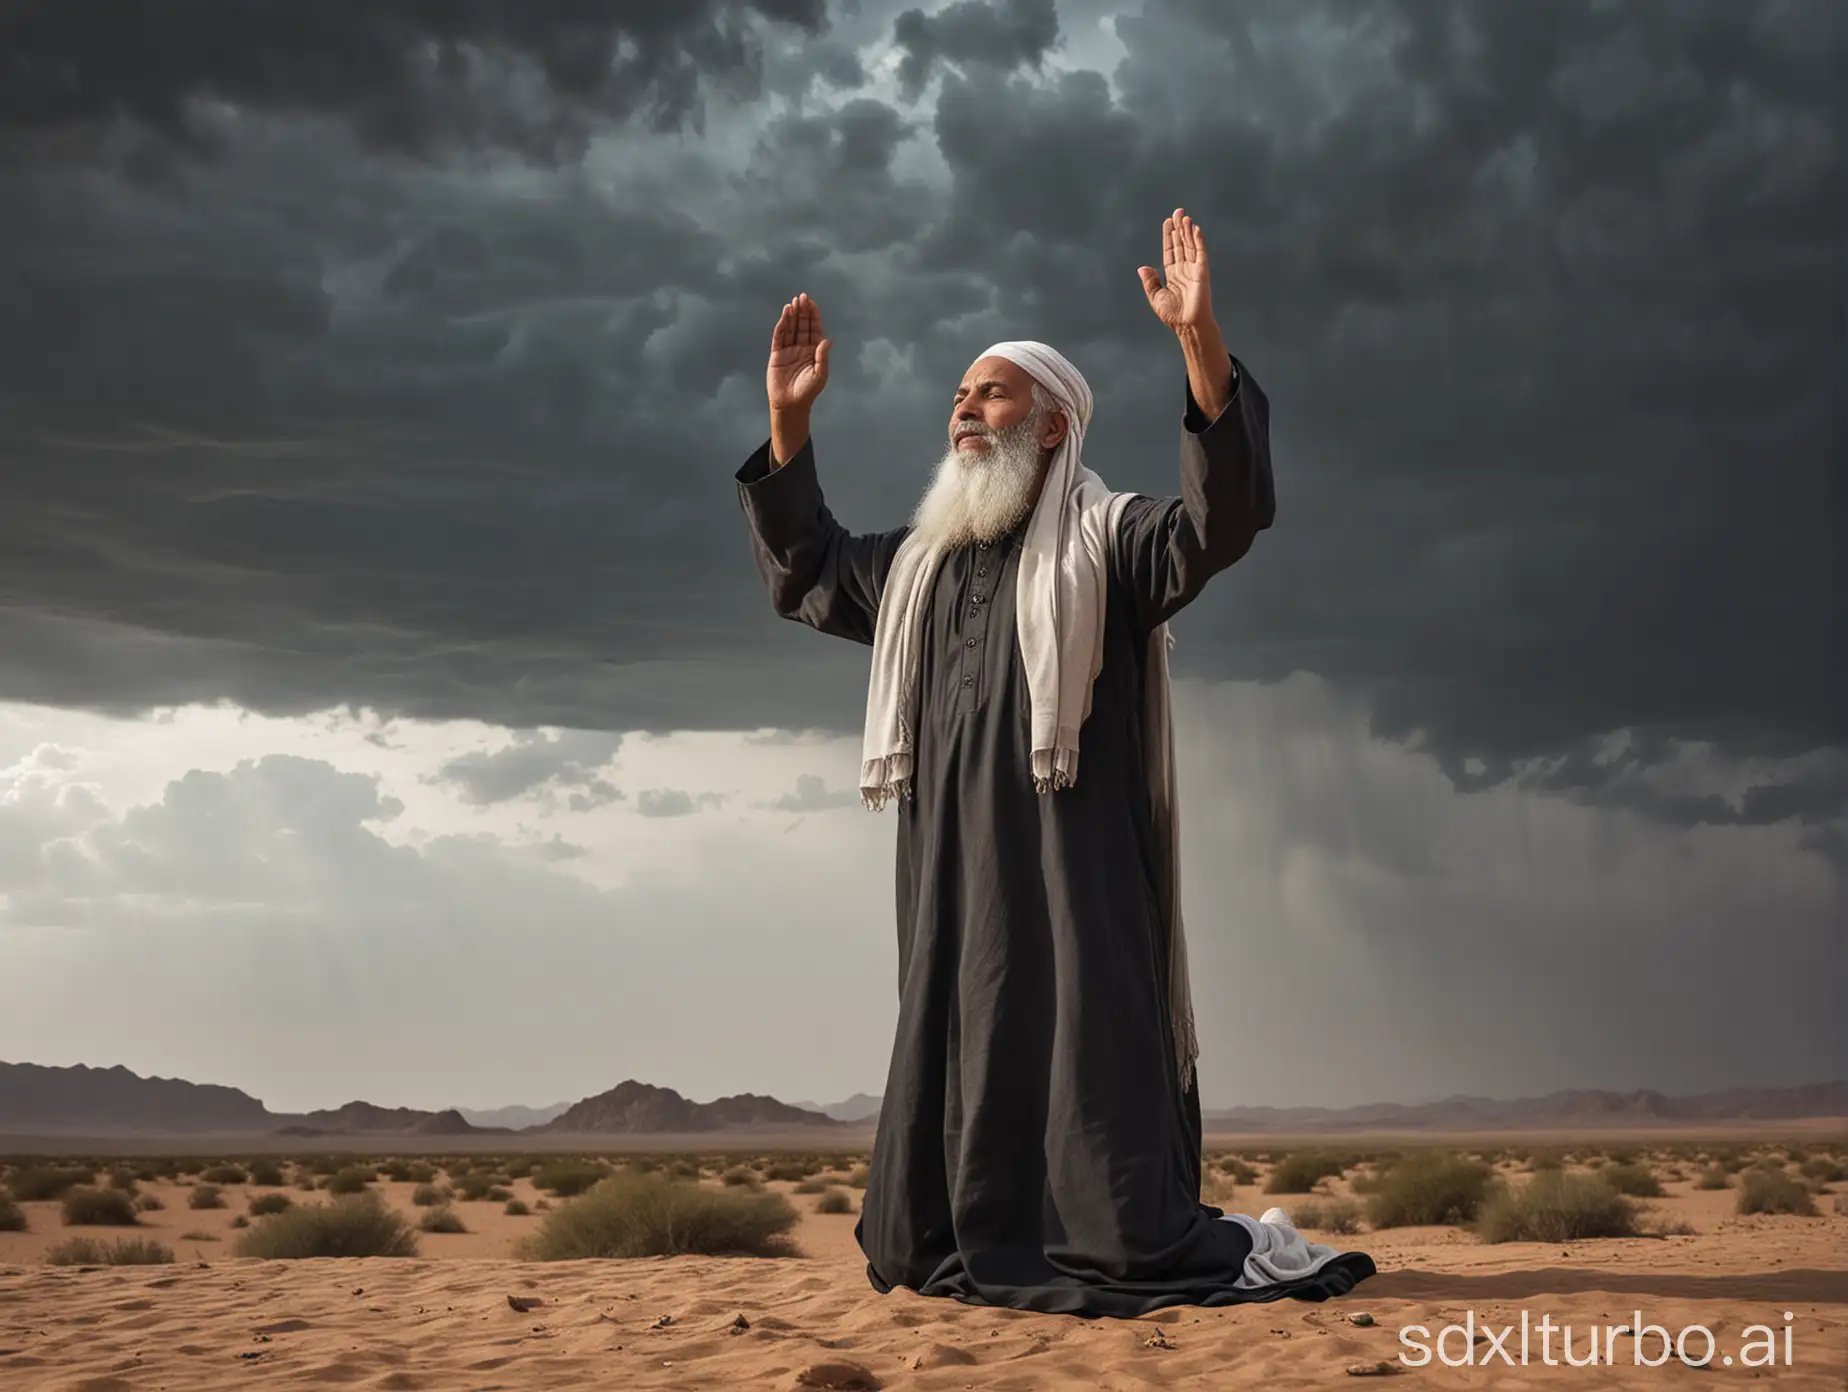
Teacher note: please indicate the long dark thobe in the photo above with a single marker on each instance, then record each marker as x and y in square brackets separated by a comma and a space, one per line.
[1035, 1148]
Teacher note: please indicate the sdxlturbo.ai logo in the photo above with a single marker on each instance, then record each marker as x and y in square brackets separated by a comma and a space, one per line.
[1650, 1345]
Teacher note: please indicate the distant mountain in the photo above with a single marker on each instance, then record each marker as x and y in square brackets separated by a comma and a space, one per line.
[860, 1107]
[513, 1118]
[40, 1100]
[364, 1119]
[632, 1107]
[1577, 1107]
[47, 1101]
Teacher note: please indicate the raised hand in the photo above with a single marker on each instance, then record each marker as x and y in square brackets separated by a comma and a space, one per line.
[798, 367]
[1186, 299]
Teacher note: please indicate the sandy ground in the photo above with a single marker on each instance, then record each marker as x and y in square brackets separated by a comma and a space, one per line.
[442, 1320]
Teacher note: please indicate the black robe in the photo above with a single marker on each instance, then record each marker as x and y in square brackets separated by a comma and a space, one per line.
[1035, 1148]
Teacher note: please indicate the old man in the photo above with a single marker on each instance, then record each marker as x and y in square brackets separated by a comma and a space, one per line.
[1039, 1142]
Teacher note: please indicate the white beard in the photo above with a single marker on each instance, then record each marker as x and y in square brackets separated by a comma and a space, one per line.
[982, 494]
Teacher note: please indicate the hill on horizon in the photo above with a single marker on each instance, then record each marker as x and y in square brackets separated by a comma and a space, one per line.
[50, 1100]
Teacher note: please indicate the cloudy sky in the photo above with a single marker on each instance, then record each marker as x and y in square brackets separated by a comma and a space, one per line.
[388, 704]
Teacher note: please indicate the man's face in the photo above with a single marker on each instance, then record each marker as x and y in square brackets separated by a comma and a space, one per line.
[993, 395]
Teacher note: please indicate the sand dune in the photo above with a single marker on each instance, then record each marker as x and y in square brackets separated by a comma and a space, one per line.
[442, 1320]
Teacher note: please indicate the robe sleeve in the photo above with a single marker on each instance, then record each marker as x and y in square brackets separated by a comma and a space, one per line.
[1168, 548]
[818, 572]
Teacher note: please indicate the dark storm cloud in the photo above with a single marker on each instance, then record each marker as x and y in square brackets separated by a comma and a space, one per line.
[1004, 34]
[567, 762]
[415, 77]
[1541, 293]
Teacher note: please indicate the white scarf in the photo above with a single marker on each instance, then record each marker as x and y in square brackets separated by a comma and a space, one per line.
[1059, 606]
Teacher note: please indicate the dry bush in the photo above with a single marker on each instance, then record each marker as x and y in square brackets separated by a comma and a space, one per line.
[424, 1195]
[568, 1178]
[644, 1215]
[1773, 1191]
[12, 1216]
[791, 1169]
[1638, 1181]
[442, 1220]
[224, 1174]
[350, 1179]
[127, 1251]
[205, 1196]
[1542, 1160]
[1556, 1206]
[86, 1207]
[1430, 1187]
[37, 1183]
[265, 1204]
[1713, 1177]
[1238, 1169]
[359, 1225]
[266, 1173]
[149, 1203]
[834, 1201]
[741, 1176]
[1341, 1216]
[1298, 1172]
[1823, 1168]
[857, 1180]
[516, 1209]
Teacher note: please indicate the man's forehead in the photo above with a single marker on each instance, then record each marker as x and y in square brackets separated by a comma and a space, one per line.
[1002, 370]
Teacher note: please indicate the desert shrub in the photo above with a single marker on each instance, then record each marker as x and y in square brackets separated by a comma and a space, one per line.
[567, 1178]
[741, 1176]
[12, 1216]
[857, 1180]
[322, 1165]
[86, 1207]
[397, 1171]
[811, 1186]
[425, 1195]
[1327, 1215]
[149, 1203]
[224, 1174]
[266, 1204]
[1241, 1172]
[1713, 1177]
[498, 1193]
[790, 1169]
[420, 1172]
[1796, 1155]
[241, 1221]
[123, 1180]
[1430, 1187]
[442, 1220]
[1772, 1191]
[1622, 1155]
[834, 1201]
[205, 1196]
[642, 1215]
[198, 1235]
[1298, 1172]
[542, 1205]
[359, 1225]
[1823, 1168]
[265, 1172]
[683, 1169]
[305, 1181]
[1638, 1181]
[1556, 1206]
[1545, 1160]
[519, 1169]
[127, 1251]
[516, 1209]
[352, 1179]
[37, 1183]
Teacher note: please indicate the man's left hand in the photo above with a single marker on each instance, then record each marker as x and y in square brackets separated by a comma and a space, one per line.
[1185, 301]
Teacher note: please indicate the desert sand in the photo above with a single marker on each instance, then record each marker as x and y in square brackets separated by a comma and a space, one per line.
[443, 1319]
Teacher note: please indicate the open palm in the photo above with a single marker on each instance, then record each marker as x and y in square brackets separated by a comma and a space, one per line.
[1182, 296]
[798, 367]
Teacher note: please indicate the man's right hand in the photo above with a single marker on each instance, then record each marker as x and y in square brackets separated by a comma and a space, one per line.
[798, 358]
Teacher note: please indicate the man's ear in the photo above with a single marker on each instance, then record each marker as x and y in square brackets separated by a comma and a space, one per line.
[1054, 432]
